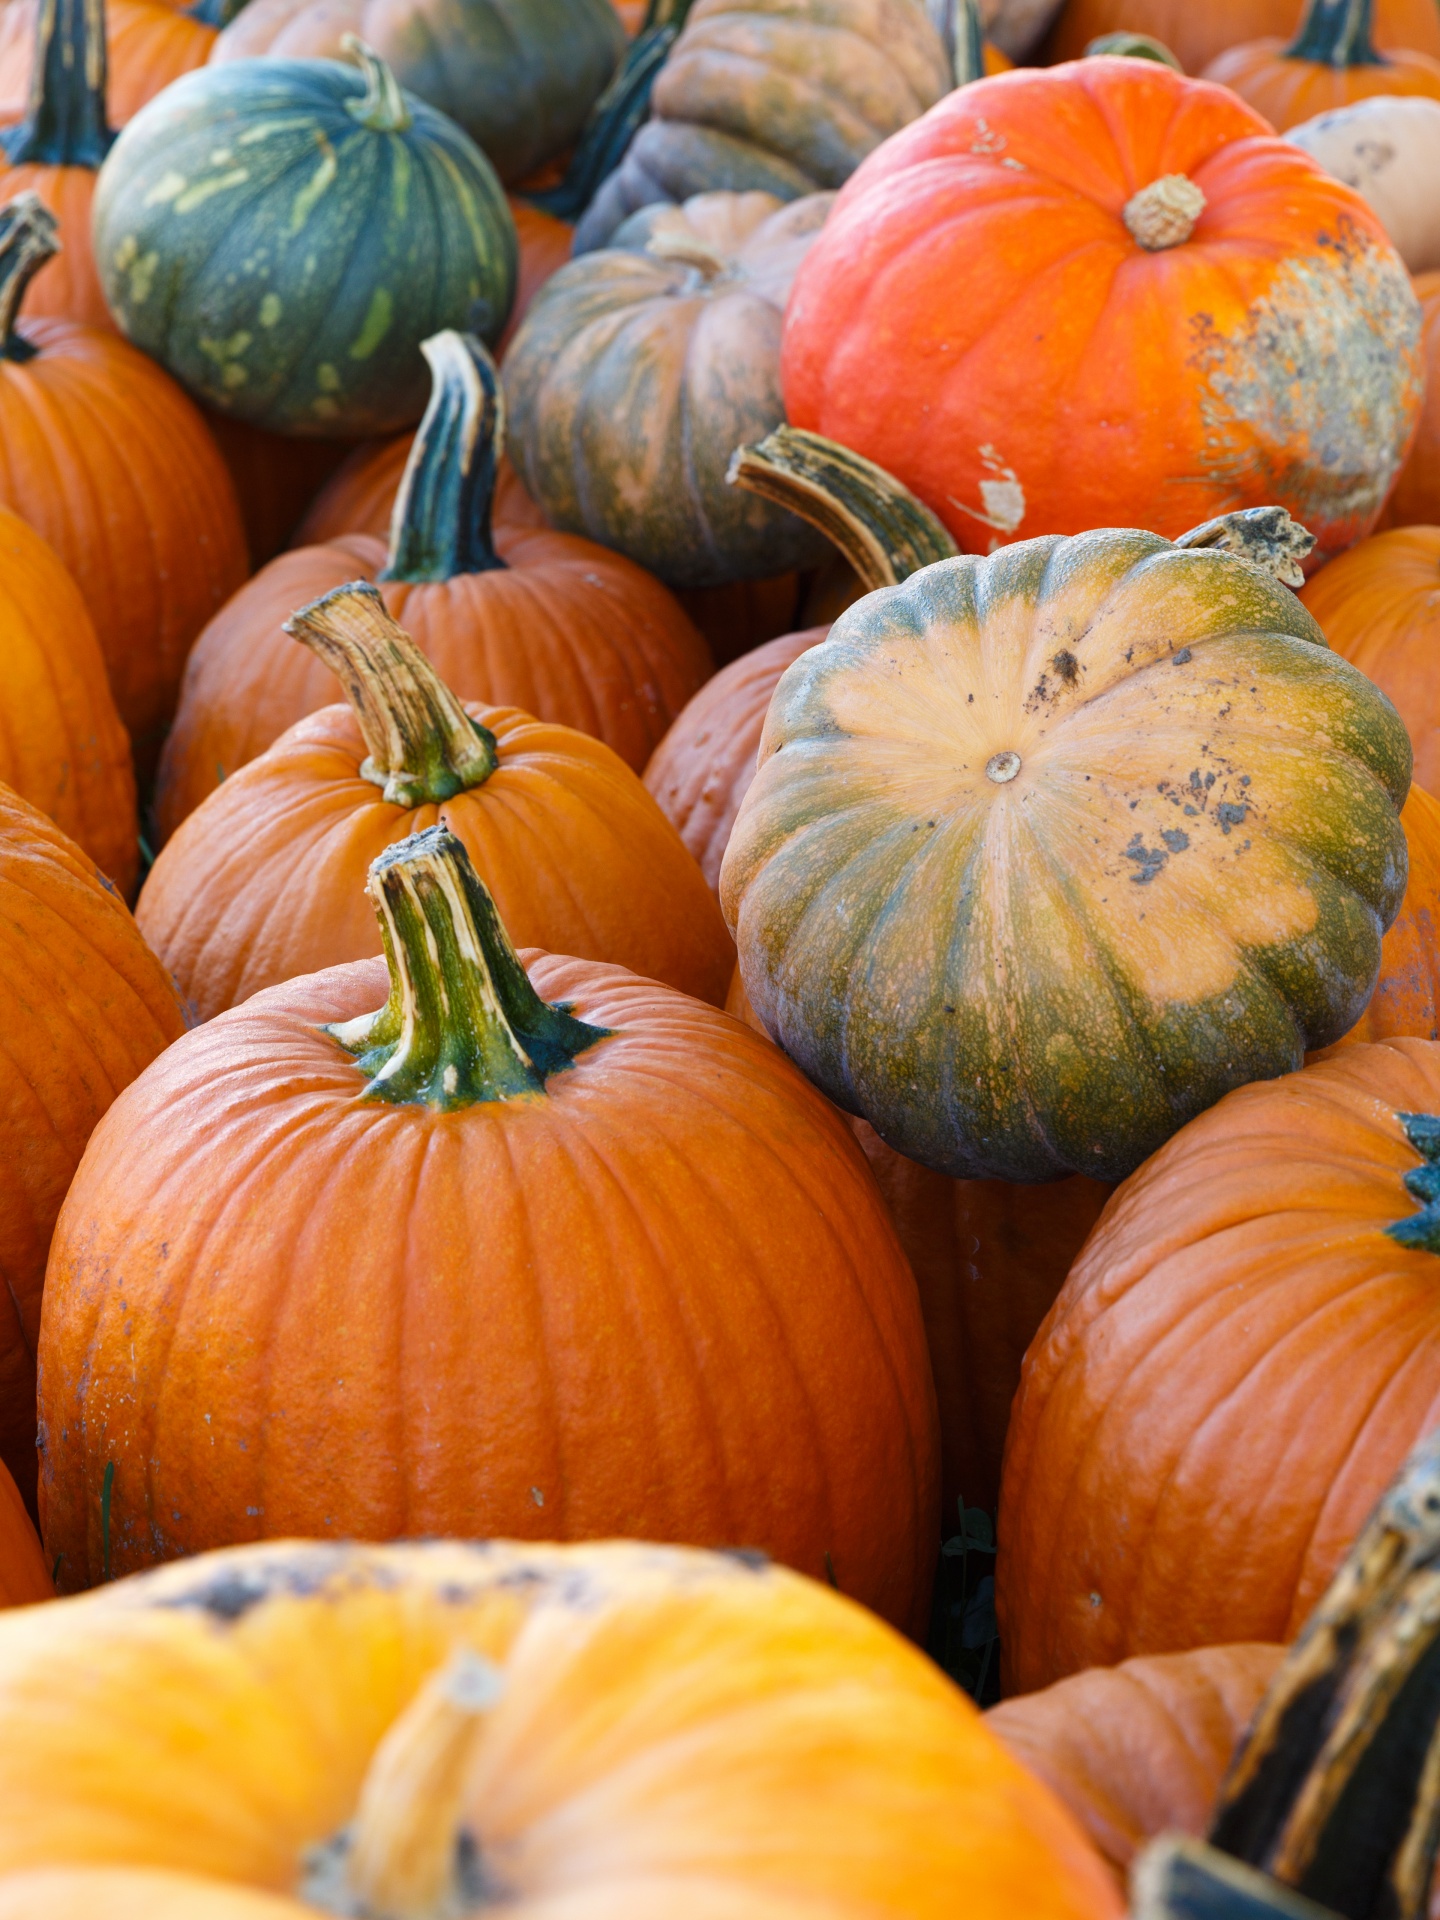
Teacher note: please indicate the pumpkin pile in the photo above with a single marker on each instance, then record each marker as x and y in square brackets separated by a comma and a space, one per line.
[720, 954]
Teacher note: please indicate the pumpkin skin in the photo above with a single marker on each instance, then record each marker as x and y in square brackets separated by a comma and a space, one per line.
[544, 244]
[1389, 151]
[62, 745]
[24, 1578]
[1233, 1372]
[360, 496]
[1416, 498]
[1027, 405]
[1406, 1000]
[519, 76]
[1290, 82]
[308, 325]
[106, 1008]
[1198, 34]
[148, 43]
[276, 479]
[636, 374]
[1379, 607]
[736, 1742]
[1185, 701]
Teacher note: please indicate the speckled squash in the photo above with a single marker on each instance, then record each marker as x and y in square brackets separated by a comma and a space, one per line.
[1198, 34]
[291, 287]
[1114, 832]
[1416, 498]
[519, 76]
[1331, 62]
[24, 1578]
[639, 371]
[1141, 237]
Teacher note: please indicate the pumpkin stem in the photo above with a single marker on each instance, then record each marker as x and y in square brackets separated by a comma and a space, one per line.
[408, 1853]
[1181, 1879]
[879, 526]
[382, 106]
[214, 13]
[1335, 1790]
[29, 236]
[463, 1023]
[962, 35]
[441, 522]
[1336, 33]
[423, 746]
[687, 248]
[1266, 535]
[1132, 46]
[1164, 214]
[64, 124]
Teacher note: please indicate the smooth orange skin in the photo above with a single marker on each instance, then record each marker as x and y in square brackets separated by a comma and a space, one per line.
[24, 1577]
[565, 630]
[1233, 1373]
[147, 45]
[1288, 91]
[664, 1297]
[67, 287]
[1379, 607]
[1415, 501]
[1195, 35]
[1027, 403]
[1406, 1000]
[266, 879]
[89, 1007]
[544, 248]
[276, 479]
[1140, 1749]
[62, 746]
[360, 496]
[110, 462]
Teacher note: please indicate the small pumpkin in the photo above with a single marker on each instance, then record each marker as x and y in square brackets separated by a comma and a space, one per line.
[24, 1578]
[1389, 151]
[638, 371]
[519, 76]
[90, 1005]
[1199, 34]
[106, 458]
[1415, 500]
[578, 857]
[524, 617]
[1406, 1000]
[62, 745]
[301, 308]
[1332, 62]
[1379, 607]
[633, 1273]
[609, 1728]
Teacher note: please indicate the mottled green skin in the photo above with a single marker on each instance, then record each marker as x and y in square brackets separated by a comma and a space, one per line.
[975, 983]
[285, 262]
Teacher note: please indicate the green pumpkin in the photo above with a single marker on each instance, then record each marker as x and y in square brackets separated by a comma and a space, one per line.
[283, 234]
[1049, 850]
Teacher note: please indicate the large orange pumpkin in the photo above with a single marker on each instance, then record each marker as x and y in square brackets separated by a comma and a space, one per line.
[1379, 606]
[1198, 33]
[1330, 62]
[1141, 237]
[564, 1256]
[599, 1730]
[1238, 1363]
[88, 1006]
[530, 618]
[1416, 498]
[24, 1578]
[576, 854]
[106, 458]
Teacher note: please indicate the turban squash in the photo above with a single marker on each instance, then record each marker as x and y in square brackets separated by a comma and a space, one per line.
[1416, 498]
[597, 1729]
[1141, 235]
[563, 1255]
[1330, 63]
[521, 616]
[1114, 831]
[267, 879]
[1198, 34]
[301, 308]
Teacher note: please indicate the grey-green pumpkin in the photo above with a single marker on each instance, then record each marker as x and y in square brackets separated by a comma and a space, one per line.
[282, 235]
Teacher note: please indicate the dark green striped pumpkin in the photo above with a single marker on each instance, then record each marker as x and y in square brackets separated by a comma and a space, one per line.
[282, 235]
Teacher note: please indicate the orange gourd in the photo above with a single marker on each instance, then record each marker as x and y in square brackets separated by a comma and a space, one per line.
[24, 1578]
[1379, 606]
[89, 1006]
[570, 1255]
[539, 620]
[1330, 62]
[1197, 34]
[1416, 499]
[577, 855]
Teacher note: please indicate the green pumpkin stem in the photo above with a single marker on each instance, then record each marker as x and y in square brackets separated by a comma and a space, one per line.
[1181, 1879]
[1266, 535]
[463, 1023]
[423, 748]
[1132, 46]
[29, 236]
[441, 522]
[64, 124]
[382, 107]
[214, 13]
[1337, 34]
[959, 26]
[878, 526]
[1335, 1790]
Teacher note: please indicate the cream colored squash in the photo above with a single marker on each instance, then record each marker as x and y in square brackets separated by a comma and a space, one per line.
[1388, 149]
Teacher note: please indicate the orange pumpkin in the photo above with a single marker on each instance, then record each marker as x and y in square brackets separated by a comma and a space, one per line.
[539, 620]
[1406, 1000]
[1416, 498]
[564, 1256]
[360, 496]
[1330, 62]
[106, 458]
[577, 855]
[276, 479]
[1379, 606]
[1239, 1361]
[148, 43]
[24, 1578]
[89, 1006]
[544, 249]
[1198, 34]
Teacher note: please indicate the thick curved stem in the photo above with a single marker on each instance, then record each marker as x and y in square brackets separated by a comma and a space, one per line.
[1266, 535]
[29, 236]
[878, 526]
[959, 26]
[1132, 46]
[1175, 1879]
[423, 746]
[64, 124]
[441, 523]
[1337, 33]
[215, 13]
[463, 1023]
[382, 107]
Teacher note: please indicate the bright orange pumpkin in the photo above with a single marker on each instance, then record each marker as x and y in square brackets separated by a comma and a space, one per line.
[1330, 62]
[544, 249]
[1198, 33]
[534, 619]
[24, 1577]
[1416, 498]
